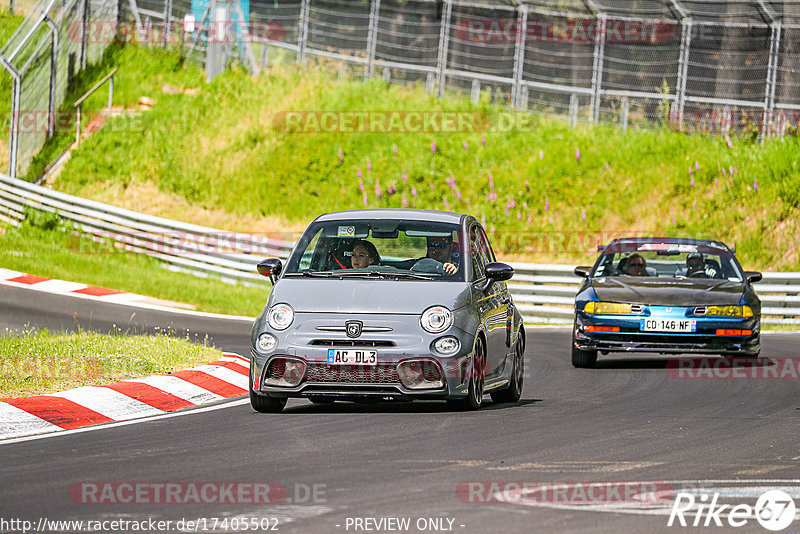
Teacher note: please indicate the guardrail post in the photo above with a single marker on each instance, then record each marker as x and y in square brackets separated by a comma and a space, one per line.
[475, 91]
[683, 69]
[51, 100]
[519, 55]
[13, 128]
[372, 37]
[444, 43]
[573, 110]
[625, 105]
[85, 35]
[302, 36]
[597, 67]
[167, 22]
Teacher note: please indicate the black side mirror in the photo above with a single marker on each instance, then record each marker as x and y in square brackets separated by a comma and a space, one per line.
[497, 272]
[271, 268]
[582, 271]
[753, 276]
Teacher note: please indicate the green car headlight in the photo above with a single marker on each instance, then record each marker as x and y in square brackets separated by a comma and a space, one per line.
[607, 307]
[729, 311]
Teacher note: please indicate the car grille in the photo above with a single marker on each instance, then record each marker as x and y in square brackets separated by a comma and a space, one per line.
[349, 374]
[351, 343]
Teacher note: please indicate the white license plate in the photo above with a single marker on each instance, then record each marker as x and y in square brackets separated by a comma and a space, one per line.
[668, 325]
[352, 357]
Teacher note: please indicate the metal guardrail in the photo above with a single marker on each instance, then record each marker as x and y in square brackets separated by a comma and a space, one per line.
[544, 293]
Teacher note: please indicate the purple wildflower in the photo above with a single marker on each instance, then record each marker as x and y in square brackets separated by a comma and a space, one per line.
[433, 147]
[578, 155]
[394, 149]
[483, 140]
[364, 198]
[414, 192]
[369, 165]
[405, 202]
[405, 178]
[466, 148]
[583, 214]
[341, 156]
[755, 185]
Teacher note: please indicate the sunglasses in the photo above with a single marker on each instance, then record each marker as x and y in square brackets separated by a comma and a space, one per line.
[637, 264]
[433, 246]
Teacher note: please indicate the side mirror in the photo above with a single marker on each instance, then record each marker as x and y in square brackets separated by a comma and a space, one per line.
[753, 276]
[271, 268]
[582, 271]
[497, 272]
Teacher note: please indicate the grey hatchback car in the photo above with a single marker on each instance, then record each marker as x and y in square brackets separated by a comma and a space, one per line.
[388, 304]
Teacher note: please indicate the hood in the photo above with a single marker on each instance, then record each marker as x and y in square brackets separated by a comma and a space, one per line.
[368, 296]
[668, 291]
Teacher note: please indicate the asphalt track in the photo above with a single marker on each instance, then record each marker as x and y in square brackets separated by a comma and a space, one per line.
[628, 420]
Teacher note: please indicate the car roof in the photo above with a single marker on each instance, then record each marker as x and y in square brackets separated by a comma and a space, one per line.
[404, 214]
[672, 240]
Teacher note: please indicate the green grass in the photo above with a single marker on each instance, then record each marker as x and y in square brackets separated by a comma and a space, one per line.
[35, 363]
[224, 148]
[44, 251]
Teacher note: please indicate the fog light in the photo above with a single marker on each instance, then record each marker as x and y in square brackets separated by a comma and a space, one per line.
[447, 345]
[267, 342]
[420, 374]
[285, 372]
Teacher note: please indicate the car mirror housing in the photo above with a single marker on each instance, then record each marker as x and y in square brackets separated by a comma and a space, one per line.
[271, 268]
[497, 272]
[582, 271]
[753, 276]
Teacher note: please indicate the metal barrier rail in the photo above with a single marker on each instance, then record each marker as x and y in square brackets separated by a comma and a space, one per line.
[543, 293]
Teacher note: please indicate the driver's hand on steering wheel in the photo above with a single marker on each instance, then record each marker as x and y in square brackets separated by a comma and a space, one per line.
[449, 268]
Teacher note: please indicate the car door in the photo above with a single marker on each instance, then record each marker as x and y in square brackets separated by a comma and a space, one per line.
[489, 303]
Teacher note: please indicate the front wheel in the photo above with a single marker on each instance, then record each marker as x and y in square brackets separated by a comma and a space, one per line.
[514, 390]
[583, 358]
[265, 404]
[474, 398]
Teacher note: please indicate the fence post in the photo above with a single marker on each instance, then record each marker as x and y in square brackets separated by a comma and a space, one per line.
[372, 37]
[519, 54]
[13, 127]
[772, 68]
[444, 43]
[167, 21]
[597, 67]
[302, 37]
[683, 68]
[51, 101]
[85, 35]
[475, 91]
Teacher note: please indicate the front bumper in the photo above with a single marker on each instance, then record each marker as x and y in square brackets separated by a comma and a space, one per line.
[405, 341]
[704, 340]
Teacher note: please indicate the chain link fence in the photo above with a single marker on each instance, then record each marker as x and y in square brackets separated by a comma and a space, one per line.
[713, 66]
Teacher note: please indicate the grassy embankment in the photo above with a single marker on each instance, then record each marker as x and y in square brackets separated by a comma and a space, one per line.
[41, 362]
[551, 186]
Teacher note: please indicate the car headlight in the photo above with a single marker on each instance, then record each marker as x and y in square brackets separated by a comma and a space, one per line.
[729, 311]
[266, 342]
[607, 307]
[280, 316]
[447, 345]
[436, 319]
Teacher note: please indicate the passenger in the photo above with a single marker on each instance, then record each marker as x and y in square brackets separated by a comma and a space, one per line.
[636, 265]
[364, 254]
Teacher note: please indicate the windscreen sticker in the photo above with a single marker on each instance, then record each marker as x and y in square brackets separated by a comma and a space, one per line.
[346, 231]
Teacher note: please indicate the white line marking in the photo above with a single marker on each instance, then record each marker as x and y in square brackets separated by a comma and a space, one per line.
[60, 286]
[108, 402]
[180, 388]
[125, 423]
[17, 422]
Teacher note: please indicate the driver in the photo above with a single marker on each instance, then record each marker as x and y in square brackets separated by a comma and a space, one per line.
[695, 266]
[441, 250]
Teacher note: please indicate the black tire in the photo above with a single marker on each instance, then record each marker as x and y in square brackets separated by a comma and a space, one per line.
[583, 358]
[474, 398]
[264, 404]
[513, 392]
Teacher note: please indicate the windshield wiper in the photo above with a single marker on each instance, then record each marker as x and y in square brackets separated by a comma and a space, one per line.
[320, 274]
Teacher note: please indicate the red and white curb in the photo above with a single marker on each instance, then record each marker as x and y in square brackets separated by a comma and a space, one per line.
[85, 291]
[129, 399]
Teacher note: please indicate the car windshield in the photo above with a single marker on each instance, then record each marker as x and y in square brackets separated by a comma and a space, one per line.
[379, 250]
[668, 260]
